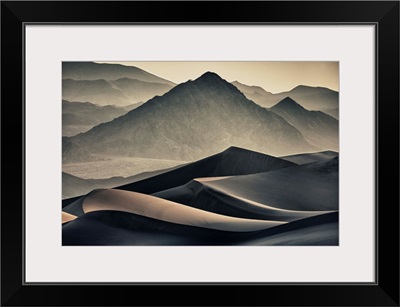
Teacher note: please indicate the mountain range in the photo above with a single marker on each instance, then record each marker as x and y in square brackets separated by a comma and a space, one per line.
[319, 129]
[96, 71]
[311, 98]
[79, 117]
[110, 84]
[120, 92]
[193, 120]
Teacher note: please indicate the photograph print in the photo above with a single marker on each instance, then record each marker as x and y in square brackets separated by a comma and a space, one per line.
[200, 153]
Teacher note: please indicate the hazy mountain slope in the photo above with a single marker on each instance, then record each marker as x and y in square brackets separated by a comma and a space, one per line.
[95, 71]
[332, 112]
[121, 92]
[255, 93]
[193, 120]
[73, 153]
[96, 91]
[90, 113]
[139, 90]
[70, 119]
[81, 116]
[319, 129]
[311, 98]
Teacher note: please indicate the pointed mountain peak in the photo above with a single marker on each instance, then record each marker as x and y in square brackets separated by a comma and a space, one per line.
[209, 76]
[212, 81]
[287, 103]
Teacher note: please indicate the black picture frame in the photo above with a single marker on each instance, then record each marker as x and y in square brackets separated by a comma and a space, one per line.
[383, 14]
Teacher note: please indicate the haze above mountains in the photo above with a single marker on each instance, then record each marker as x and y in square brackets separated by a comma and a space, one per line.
[110, 84]
[311, 98]
[79, 117]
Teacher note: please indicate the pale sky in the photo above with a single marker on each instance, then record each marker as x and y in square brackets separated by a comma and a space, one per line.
[272, 76]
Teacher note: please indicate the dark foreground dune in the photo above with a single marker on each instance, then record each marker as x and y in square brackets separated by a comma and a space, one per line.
[311, 157]
[307, 187]
[164, 210]
[285, 194]
[203, 195]
[231, 162]
[122, 228]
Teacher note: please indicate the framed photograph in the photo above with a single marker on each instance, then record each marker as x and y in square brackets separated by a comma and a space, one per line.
[242, 153]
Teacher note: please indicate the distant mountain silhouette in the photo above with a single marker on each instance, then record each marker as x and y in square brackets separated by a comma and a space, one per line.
[79, 117]
[96, 71]
[312, 98]
[193, 120]
[255, 93]
[319, 129]
[120, 92]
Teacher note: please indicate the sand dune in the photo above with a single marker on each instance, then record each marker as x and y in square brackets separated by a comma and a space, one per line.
[75, 187]
[308, 187]
[199, 194]
[122, 228]
[160, 209]
[311, 157]
[215, 201]
[206, 179]
[75, 207]
[317, 230]
[66, 217]
[286, 194]
[233, 161]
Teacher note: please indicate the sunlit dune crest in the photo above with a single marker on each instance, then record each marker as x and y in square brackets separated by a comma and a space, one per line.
[262, 205]
[157, 208]
[206, 179]
[67, 217]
